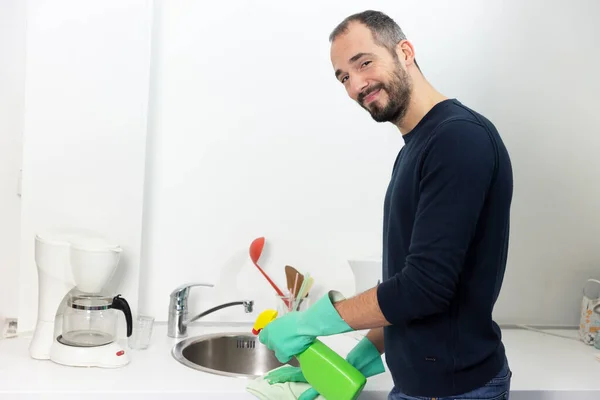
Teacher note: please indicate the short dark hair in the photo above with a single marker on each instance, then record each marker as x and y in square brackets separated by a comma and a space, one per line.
[386, 32]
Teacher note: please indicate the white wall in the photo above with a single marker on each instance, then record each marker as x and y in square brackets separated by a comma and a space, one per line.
[541, 85]
[251, 135]
[245, 142]
[12, 87]
[87, 77]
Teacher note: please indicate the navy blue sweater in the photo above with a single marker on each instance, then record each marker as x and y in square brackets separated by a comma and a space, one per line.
[445, 242]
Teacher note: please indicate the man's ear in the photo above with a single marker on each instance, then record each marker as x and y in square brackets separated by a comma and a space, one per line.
[405, 52]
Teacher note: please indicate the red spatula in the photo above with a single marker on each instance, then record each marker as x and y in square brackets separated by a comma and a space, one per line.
[256, 248]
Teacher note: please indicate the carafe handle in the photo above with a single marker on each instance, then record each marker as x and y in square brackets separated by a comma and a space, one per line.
[119, 303]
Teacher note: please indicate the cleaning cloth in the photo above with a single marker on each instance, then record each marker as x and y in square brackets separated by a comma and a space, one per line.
[263, 390]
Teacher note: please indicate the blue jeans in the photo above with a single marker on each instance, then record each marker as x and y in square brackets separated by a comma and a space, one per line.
[496, 389]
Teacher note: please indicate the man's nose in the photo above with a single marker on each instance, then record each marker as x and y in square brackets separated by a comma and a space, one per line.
[358, 85]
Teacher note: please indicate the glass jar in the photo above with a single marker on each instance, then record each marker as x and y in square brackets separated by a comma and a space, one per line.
[287, 304]
[91, 320]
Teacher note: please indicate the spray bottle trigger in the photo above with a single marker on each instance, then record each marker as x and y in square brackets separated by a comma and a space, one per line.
[263, 319]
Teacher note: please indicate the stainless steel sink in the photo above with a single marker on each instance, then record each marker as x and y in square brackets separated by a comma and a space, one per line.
[238, 354]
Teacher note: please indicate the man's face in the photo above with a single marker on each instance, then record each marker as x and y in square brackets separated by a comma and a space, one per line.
[372, 76]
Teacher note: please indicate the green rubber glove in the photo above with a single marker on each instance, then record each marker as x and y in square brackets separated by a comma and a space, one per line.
[296, 331]
[309, 394]
[285, 374]
[364, 357]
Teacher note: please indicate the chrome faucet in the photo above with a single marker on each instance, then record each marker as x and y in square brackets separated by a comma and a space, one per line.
[178, 309]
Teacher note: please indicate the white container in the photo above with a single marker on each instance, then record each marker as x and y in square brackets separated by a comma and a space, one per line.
[589, 323]
[367, 273]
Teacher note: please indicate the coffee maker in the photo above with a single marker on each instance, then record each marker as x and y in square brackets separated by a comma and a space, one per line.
[77, 319]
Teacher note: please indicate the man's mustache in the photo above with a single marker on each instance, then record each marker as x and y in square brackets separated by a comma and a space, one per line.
[368, 91]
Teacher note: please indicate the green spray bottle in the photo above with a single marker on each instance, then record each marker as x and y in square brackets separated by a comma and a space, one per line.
[324, 369]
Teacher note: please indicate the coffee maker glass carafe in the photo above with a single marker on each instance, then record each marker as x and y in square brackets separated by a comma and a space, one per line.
[92, 319]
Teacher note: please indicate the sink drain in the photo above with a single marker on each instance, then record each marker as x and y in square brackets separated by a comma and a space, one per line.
[246, 344]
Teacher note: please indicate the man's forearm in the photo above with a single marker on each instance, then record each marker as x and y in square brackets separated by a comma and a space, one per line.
[362, 311]
[376, 337]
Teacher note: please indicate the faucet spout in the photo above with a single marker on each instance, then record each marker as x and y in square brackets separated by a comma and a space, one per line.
[248, 307]
[178, 309]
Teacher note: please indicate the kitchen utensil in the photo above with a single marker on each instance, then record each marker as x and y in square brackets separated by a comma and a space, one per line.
[306, 278]
[295, 305]
[295, 286]
[305, 288]
[294, 279]
[142, 332]
[91, 320]
[292, 296]
[256, 248]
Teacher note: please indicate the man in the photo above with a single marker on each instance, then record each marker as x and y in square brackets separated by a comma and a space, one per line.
[445, 234]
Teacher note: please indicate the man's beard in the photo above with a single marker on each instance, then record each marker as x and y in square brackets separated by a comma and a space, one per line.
[398, 90]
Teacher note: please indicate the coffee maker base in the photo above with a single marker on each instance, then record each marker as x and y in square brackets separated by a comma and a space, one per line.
[107, 356]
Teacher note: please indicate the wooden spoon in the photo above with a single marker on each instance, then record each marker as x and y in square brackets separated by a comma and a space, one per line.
[293, 285]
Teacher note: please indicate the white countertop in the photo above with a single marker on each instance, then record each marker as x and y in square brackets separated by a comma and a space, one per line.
[544, 367]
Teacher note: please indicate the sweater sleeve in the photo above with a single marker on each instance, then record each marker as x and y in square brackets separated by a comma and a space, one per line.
[455, 174]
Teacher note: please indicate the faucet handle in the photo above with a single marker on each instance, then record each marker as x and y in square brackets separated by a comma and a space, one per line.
[183, 290]
[179, 295]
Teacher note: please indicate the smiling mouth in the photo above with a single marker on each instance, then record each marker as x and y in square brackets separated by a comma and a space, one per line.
[371, 96]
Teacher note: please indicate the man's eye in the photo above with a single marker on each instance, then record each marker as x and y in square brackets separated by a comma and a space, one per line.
[365, 63]
[344, 79]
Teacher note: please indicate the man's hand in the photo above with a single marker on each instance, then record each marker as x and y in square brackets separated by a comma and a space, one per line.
[287, 336]
[365, 356]
[295, 332]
